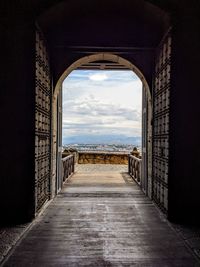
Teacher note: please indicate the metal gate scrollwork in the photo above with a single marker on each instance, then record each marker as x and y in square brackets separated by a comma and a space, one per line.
[42, 123]
[161, 106]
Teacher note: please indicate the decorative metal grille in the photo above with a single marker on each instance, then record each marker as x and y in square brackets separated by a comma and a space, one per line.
[42, 123]
[161, 107]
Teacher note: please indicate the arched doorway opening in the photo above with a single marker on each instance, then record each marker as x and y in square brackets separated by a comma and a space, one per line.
[146, 119]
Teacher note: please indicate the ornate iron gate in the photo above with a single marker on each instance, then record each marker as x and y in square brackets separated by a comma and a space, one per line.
[161, 107]
[42, 124]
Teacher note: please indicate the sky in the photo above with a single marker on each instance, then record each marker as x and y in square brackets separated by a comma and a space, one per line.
[98, 104]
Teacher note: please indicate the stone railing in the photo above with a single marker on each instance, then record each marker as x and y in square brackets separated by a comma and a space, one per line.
[68, 152]
[134, 168]
[95, 157]
[68, 166]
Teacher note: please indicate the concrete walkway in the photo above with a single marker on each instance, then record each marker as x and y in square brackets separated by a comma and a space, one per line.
[101, 219]
[101, 168]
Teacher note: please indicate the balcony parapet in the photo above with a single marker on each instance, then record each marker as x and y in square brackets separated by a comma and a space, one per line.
[135, 168]
[102, 157]
[68, 166]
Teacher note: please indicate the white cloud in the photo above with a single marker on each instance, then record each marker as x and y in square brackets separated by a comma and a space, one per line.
[98, 77]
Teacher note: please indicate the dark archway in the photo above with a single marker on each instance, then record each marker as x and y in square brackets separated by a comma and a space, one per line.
[142, 39]
[67, 40]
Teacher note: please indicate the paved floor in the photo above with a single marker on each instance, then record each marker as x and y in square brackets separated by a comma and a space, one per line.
[9, 236]
[101, 220]
[101, 168]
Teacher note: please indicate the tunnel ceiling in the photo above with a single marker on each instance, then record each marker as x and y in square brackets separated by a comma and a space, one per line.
[129, 28]
[100, 23]
[73, 29]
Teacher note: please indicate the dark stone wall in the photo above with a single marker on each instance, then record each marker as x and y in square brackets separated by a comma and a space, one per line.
[184, 171]
[17, 98]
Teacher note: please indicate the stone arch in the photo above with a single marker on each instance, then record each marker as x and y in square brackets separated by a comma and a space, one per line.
[97, 57]
[146, 91]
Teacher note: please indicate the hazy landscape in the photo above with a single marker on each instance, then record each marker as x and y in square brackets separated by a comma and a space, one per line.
[101, 147]
[105, 139]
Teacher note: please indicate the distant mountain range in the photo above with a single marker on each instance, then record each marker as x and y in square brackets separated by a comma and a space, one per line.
[102, 139]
